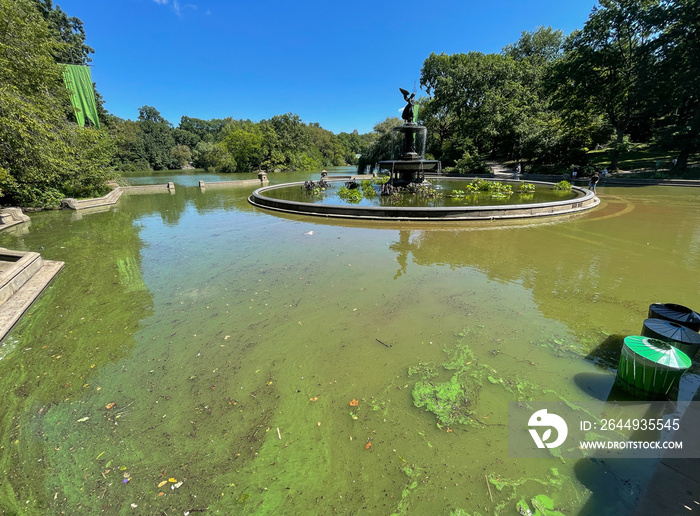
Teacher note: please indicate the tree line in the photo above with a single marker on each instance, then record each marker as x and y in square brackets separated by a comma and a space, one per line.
[282, 143]
[629, 75]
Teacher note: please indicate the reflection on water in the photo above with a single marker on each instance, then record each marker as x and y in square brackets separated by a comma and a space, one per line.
[195, 341]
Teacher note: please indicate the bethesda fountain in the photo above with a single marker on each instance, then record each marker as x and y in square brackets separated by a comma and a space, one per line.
[408, 163]
[395, 199]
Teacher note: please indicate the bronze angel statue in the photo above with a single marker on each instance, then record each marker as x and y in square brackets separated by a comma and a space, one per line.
[410, 99]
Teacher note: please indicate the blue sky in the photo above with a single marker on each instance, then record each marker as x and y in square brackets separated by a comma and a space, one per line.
[340, 64]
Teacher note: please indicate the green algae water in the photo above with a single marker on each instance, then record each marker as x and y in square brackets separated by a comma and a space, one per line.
[199, 355]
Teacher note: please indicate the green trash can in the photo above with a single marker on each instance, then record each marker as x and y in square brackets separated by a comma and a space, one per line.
[650, 368]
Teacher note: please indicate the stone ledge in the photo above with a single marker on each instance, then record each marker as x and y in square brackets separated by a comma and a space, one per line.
[113, 196]
[12, 216]
[149, 189]
[75, 204]
[21, 300]
[17, 268]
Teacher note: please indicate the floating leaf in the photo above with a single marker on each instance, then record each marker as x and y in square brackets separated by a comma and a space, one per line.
[162, 483]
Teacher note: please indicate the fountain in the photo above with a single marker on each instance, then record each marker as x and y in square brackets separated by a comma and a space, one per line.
[407, 164]
[406, 173]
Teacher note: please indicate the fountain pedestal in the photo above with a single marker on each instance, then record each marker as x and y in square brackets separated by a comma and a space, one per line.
[408, 163]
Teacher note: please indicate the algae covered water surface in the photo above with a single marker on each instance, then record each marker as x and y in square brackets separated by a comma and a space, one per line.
[198, 355]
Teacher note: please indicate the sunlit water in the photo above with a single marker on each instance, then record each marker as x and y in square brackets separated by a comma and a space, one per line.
[199, 353]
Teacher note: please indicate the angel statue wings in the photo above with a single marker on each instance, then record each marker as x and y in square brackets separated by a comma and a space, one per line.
[410, 99]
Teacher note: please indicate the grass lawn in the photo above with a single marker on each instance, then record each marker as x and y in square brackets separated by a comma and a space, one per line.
[640, 161]
[643, 160]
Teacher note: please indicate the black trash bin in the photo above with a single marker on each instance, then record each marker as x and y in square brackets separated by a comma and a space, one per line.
[675, 313]
[677, 335]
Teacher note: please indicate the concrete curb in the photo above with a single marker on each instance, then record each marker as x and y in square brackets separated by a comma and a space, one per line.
[584, 201]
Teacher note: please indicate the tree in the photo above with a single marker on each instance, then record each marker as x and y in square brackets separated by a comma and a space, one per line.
[478, 102]
[68, 31]
[207, 130]
[214, 157]
[676, 87]
[43, 157]
[246, 147]
[181, 155]
[379, 148]
[156, 138]
[352, 143]
[605, 62]
[325, 147]
[542, 46]
[129, 153]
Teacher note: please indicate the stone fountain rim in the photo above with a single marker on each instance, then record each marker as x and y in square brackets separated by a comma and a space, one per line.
[586, 200]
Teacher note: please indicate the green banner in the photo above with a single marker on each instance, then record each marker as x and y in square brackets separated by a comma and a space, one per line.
[79, 82]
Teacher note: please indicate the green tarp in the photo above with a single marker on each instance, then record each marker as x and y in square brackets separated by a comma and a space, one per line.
[79, 83]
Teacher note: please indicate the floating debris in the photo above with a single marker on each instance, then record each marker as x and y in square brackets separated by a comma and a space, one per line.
[354, 403]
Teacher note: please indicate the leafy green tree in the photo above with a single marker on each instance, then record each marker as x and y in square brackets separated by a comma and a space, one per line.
[43, 157]
[67, 30]
[286, 141]
[604, 65]
[326, 147]
[352, 144]
[129, 154]
[246, 147]
[379, 147]
[478, 101]
[181, 155]
[541, 46]
[676, 86]
[214, 157]
[185, 137]
[156, 138]
[207, 130]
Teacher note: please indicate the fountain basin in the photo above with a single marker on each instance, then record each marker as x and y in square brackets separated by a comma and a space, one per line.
[582, 200]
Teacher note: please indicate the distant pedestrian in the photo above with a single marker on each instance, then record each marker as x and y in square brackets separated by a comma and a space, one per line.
[604, 173]
[574, 173]
[592, 182]
[517, 172]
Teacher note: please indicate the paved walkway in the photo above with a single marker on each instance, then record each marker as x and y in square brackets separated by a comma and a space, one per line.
[619, 178]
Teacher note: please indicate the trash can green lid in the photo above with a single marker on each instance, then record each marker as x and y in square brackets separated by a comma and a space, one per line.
[658, 351]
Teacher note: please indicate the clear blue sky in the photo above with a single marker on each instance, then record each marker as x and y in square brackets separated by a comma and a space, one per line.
[340, 64]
